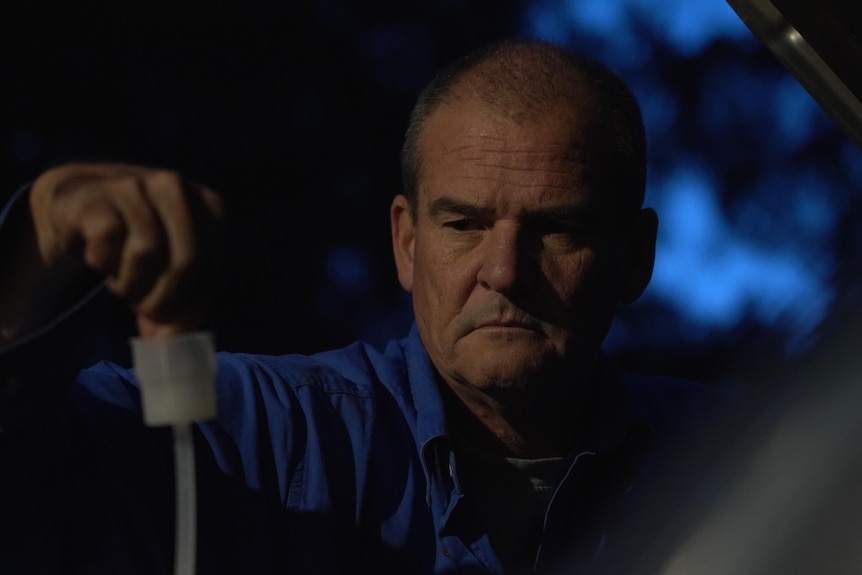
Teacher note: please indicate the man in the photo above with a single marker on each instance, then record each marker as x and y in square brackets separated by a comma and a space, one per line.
[494, 438]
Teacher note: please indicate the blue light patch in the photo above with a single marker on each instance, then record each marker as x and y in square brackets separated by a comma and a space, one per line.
[688, 26]
[597, 15]
[795, 113]
[717, 278]
[349, 268]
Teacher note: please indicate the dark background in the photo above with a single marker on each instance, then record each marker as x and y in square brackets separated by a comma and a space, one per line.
[295, 112]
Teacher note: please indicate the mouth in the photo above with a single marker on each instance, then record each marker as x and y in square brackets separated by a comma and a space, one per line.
[507, 325]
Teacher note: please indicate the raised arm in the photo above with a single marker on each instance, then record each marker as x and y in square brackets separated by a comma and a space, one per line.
[152, 235]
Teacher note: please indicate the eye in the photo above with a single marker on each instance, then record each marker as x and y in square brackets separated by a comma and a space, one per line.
[556, 228]
[561, 233]
[464, 225]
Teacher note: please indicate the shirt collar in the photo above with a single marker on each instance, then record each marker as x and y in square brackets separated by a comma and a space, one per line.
[612, 408]
[430, 415]
[612, 411]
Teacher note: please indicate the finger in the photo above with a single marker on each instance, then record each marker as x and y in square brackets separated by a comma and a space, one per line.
[180, 319]
[62, 201]
[102, 232]
[145, 249]
[150, 328]
[172, 294]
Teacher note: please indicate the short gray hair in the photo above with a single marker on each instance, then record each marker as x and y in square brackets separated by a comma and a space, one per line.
[523, 78]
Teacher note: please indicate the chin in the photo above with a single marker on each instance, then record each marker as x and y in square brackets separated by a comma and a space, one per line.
[513, 376]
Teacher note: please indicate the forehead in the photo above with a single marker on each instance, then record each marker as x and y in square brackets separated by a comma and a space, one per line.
[479, 155]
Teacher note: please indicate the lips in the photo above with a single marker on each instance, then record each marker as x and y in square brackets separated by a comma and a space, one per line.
[499, 315]
[509, 323]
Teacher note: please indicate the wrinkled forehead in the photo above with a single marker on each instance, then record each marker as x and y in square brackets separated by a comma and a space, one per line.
[546, 158]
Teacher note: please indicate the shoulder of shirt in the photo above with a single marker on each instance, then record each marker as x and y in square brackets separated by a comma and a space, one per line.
[357, 369]
[658, 392]
[672, 404]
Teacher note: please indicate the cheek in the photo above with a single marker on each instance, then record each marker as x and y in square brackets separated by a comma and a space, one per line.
[440, 293]
[436, 305]
[429, 294]
[585, 285]
[572, 275]
[443, 276]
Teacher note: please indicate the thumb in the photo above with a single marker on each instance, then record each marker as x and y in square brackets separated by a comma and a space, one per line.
[148, 327]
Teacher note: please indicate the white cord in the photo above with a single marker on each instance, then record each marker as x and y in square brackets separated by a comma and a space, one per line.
[176, 379]
[186, 500]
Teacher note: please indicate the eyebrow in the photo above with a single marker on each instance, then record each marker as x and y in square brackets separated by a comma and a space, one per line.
[564, 212]
[446, 205]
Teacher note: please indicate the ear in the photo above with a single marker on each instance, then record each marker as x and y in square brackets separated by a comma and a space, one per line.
[403, 240]
[642, 249]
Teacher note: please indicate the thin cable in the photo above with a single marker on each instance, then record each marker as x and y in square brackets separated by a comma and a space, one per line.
[176, 376]
[186, 504]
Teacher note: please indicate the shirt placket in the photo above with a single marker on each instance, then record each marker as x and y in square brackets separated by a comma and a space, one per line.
[463, 544]
[579, 521]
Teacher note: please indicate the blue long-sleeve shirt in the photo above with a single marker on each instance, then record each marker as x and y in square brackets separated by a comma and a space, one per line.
[337, 463]
[333, 463]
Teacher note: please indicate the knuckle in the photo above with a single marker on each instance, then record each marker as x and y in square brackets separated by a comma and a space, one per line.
[125, 186]
[164, 181]
[98, 258]
[142, 249]
[102, 228]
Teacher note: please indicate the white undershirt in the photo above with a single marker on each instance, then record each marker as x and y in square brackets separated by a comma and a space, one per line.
[511, 496]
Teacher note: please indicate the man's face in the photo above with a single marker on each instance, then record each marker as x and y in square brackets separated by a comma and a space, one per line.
[516, 263]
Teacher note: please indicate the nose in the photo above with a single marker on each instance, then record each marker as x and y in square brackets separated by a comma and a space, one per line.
[506, 265]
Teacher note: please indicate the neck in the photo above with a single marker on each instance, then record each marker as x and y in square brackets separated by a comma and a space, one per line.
[522, 423]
